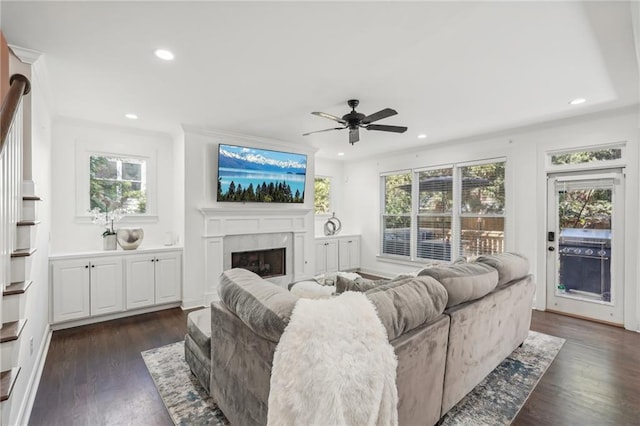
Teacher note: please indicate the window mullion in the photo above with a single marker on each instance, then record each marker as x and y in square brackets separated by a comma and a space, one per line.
[457, 211]
[415, 192]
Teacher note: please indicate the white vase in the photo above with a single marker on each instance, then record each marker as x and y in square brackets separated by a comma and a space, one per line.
[130, 239]
[109, 242]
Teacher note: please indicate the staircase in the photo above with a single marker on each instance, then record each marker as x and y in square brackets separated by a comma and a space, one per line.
[18, 224]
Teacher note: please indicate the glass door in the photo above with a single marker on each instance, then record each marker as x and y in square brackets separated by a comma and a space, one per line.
[584, 253]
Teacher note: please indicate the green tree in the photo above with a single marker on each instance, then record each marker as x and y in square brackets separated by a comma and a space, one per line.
[322, 195]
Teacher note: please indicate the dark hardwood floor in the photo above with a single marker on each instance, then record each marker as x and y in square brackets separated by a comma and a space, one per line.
[94, 375]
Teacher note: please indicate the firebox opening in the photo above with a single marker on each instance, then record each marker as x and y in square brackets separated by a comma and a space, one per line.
[266, 263]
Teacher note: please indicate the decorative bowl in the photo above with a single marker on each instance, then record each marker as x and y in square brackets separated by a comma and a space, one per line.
[129, 238]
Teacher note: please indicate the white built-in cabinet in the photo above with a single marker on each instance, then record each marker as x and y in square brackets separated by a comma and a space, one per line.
[337, 253]
[152, 279]
[85, 287]
[326, 256]
[89, 285]
[349, 251]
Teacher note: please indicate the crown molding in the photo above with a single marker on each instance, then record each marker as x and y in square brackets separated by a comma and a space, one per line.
[27, 56]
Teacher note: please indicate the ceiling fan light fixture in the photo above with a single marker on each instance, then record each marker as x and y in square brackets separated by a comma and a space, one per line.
[341, 154]
[131, 116]
[577, 101]
[422, 136]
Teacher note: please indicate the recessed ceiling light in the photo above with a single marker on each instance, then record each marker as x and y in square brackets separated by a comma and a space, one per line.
[340, 154]
[131, 116]
[164, 54]
[422, 136]
[578, 101]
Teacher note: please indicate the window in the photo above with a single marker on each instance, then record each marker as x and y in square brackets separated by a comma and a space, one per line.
[322, 198]
[482, 209]
[396, 218]
[117, 182]
[586, 156]
[435, 214]
[441, 213]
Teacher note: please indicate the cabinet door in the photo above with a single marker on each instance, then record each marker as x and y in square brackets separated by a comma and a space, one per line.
[168, 278]
[321, 258]
[332, 255]
[140, 281]
[70, 290]
[106, 286]
[349, 253]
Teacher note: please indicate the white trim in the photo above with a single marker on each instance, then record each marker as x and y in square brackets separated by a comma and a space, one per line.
[598, 164]
[24, 414]
[586, 177]
[28, 56]
[191, 304]
[84, 150]
[117, 315]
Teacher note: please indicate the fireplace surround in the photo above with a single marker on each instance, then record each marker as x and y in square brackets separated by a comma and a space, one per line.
[228, 231]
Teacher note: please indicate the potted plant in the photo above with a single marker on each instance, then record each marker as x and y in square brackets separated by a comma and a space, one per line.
[107, 219]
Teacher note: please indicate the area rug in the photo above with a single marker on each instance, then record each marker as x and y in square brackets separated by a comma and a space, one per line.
[495, 401]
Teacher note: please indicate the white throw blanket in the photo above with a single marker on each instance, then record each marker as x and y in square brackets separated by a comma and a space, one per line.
[334, 366]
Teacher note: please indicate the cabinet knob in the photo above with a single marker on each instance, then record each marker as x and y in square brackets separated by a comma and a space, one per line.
[86, 266]
[93, 266]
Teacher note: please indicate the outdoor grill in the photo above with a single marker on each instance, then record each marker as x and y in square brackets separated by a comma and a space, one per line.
[585, 262]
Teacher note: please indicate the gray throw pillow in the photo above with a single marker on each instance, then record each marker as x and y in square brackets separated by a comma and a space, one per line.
[464, 281]
[263, 306]
[510, 266]
[406, 303]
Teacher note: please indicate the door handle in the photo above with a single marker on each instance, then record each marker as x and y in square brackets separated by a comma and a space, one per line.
[551, 248]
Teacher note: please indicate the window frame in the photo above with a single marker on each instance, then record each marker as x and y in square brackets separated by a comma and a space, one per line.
[331, 203]
[598, 164]
[456, 211]
[84, 152]
[383, 214]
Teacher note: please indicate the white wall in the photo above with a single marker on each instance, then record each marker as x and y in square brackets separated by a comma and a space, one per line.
[37, 297]
[73, 234]
[524, 150]
[201, 162]
[335, 170]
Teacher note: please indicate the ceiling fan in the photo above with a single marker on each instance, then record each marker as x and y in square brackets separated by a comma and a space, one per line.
[355, 120]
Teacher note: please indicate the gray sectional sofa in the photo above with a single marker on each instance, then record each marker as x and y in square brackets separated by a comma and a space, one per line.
[449, 326]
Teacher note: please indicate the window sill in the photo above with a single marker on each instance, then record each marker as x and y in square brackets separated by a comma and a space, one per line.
[127, 220]
[408, 262]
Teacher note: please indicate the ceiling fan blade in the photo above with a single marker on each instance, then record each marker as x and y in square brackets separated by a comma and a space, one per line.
[330, 117]
[354, 135]
[395, 129]
[387, 112]
[325, 130]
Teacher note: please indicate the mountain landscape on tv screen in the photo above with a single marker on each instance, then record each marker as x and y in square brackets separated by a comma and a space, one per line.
[259, 175]
[250, 160]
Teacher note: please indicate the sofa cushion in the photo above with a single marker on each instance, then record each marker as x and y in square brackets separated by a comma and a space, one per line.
[407, 303]
[464, 281]
[263, 306]
[510, 266]
[199, 328]
[359, 284]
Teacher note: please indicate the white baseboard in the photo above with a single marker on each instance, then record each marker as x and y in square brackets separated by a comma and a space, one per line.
[193, 303]
[24, 414]
[109, 317]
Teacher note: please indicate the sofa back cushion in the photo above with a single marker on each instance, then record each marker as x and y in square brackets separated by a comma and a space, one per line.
[263, 306]
[464, 281]
[510, 266]
[359, 284]
[406, 303]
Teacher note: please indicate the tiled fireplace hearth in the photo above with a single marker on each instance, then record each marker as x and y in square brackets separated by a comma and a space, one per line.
[241, 235]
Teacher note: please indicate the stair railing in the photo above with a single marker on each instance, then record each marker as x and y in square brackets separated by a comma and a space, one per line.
[11, 135]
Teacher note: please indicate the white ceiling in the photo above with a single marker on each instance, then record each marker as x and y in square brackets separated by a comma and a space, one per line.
[450, 69]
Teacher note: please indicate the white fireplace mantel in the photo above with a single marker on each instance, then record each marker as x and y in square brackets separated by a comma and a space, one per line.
[245, 220]
[239, 221]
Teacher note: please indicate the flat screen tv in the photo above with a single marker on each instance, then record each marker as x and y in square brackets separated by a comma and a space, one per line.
[260, 175]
